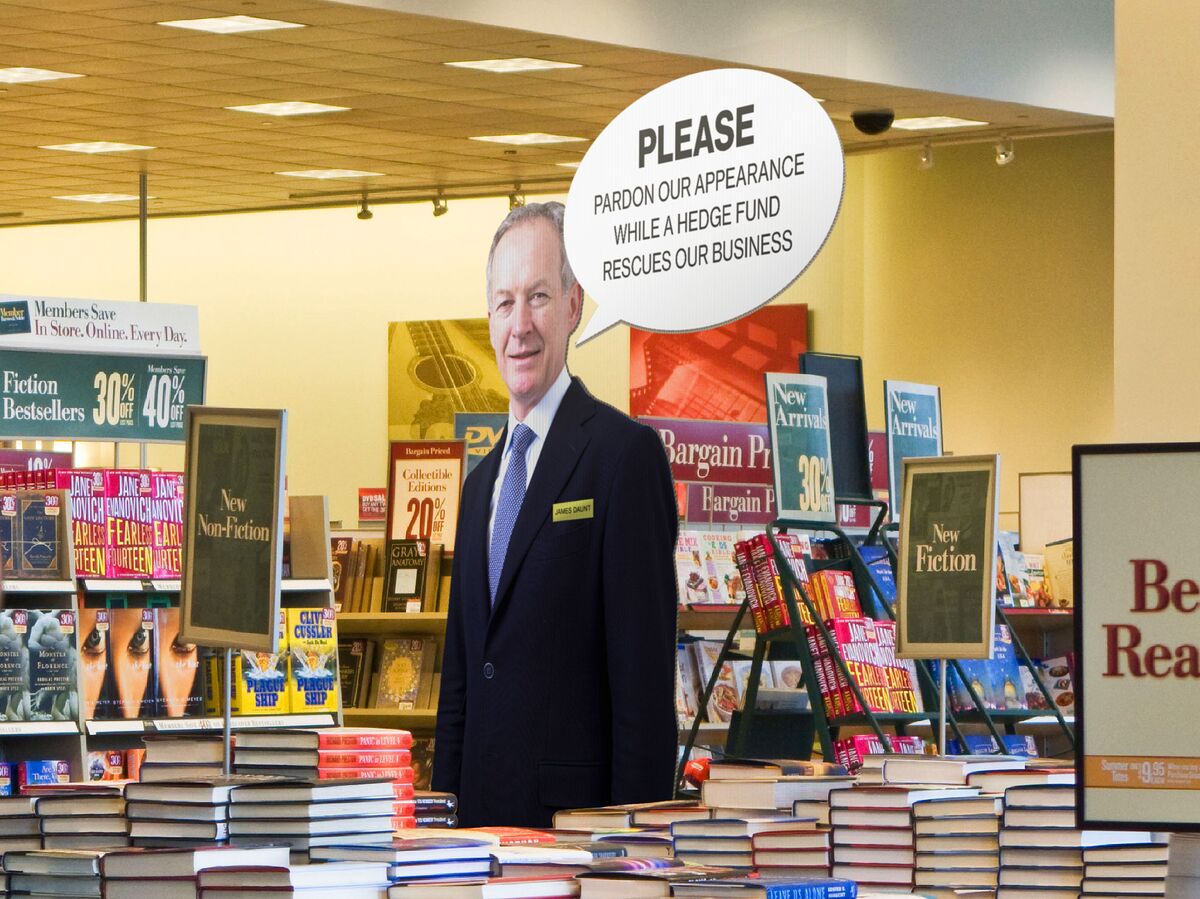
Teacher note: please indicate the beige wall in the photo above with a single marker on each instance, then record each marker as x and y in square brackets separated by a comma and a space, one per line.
[994, 283]
[1156, 310]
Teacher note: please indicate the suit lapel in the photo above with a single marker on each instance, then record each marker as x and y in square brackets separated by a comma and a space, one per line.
[560, 455]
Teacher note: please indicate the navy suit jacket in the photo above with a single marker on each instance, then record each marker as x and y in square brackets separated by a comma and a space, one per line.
[562, 695]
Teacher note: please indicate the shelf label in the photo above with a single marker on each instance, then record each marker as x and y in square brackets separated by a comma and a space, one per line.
[37, 728]
[97, 396]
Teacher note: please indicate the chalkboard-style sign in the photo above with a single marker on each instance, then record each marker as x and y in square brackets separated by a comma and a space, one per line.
[233, 526]
[947, 579]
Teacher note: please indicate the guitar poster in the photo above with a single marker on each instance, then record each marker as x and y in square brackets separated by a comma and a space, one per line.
[424, 485]
[438, 368]
[946, 599]
[715, 374]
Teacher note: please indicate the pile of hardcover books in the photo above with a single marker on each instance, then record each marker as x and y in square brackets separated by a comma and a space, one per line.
[81, 815]
[339, 753]
[1041, 849]
[126, 874]
[875, 824]
[311, 813]
[332, 880]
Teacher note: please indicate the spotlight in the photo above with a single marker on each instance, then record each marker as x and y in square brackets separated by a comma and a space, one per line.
[925, 163]
[439, 206]
[515, 201]
[1005, 151]
[365, 214]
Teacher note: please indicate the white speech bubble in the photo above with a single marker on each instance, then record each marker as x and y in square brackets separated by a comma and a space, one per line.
[702, 201]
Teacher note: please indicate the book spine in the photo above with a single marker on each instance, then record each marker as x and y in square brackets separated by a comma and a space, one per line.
[741, 555]
[400, 739]
[829, 695]
[403, 774]
[766, 574]
[400, 758]
[835, 890]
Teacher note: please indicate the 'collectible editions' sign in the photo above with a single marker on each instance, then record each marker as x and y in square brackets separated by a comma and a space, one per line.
[424, 484]
[1137, 591]
[946, 601]
[798, 416]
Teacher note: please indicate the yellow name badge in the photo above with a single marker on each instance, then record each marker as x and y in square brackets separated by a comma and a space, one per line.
[573, 510]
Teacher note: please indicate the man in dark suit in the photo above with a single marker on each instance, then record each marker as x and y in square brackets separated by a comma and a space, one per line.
[559, 664]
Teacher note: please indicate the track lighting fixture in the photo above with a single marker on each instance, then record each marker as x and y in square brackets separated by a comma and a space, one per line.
[515, 201]
[439, 206]
[1005, 151]
[925, 163]
[365, 214]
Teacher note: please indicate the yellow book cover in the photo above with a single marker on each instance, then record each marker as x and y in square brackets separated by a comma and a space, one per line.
[312, 660]
[260, 678]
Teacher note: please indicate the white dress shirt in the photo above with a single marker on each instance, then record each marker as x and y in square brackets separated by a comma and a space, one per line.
[538, 420]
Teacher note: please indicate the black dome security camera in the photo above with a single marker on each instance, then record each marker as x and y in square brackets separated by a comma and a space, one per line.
[873, 121]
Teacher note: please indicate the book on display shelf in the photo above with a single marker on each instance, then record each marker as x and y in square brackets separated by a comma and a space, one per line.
[405, 673]
[355, 658]
[407, 564]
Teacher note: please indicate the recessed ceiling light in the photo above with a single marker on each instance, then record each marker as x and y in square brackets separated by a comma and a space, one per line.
[330, 174]
[21, 75]
[933, 122]
[231, 24]
[97, 146]
[104, 198]
[291, 107]
[569, 165]
[526, 139]
[516, 64]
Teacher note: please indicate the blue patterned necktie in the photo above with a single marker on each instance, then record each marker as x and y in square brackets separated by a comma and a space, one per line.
[512, 494]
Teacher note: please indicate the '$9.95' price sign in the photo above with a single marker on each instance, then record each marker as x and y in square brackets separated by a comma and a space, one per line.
[97, 396]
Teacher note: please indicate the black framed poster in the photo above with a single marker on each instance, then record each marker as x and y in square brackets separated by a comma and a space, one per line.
[233, 527]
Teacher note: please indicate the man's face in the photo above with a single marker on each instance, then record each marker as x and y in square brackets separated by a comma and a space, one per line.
[530, 315]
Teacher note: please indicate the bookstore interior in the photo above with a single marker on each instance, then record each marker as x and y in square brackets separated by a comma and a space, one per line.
[910, 445]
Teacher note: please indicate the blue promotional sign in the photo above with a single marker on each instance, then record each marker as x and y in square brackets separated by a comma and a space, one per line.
[914, 429]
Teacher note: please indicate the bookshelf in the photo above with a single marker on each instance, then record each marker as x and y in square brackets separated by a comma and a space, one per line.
[375, 623]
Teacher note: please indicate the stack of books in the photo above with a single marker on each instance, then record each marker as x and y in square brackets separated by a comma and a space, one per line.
[414, 859]
[83, 816]
[1126, 870]
[645, 884]
[492, 888]
[181, 814]
[19, 825]
[727, 842]
[126, 873]
[333, 880]
[792, 853]
[874, 834]
[339, 753]
[432, 808]
[957, 842]
[306, 814]
[800, 788]
[1040, 847]
[177, 757]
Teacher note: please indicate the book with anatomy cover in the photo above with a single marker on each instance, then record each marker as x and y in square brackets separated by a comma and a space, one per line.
[129, 524]
[312, 660]
[88, 518]
[180, 687]
[405, 564]
[166, 511]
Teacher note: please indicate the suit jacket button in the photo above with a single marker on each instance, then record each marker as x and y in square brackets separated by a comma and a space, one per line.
[489, 670]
